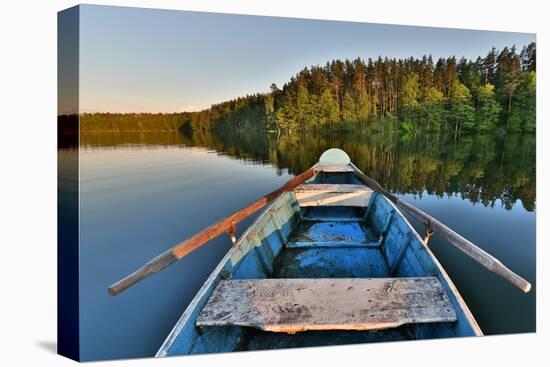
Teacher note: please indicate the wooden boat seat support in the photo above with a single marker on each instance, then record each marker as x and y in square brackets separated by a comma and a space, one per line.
[401, 254]
[295, 305]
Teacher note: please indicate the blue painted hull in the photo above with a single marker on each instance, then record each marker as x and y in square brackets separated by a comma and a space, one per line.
[289, 241]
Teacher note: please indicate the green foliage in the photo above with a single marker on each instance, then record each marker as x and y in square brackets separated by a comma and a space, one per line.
[525, 103]
[410, 91]
[408, 101]
[348, 108]
[269, 107]
[451, 95]
[302, 105]
[286, 112]
[488, 109]
[461, 112]
[329, 107]
[432, 108]
[363, 106]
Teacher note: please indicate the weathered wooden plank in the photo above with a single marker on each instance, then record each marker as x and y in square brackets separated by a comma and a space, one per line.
[335, 168]
[332, 187]
[294, 305]
[333, 195]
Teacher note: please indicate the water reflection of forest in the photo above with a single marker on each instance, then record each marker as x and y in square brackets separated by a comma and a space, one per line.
[480, 168]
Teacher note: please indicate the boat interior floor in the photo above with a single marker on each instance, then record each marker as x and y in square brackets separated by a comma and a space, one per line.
[324, 246]
[330, 263]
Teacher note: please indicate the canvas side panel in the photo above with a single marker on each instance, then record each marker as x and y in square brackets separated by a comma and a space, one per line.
[68, 340]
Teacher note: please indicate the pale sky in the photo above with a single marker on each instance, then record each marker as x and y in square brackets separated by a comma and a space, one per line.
[145, 60]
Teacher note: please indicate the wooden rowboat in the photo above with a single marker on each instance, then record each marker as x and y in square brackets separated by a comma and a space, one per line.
[330, 262]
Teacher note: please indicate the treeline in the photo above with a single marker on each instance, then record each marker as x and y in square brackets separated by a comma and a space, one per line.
[241, 113]
[497, 91]
[134, 121]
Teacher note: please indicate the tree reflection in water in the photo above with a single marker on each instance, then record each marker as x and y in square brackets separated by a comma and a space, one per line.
[482, 168]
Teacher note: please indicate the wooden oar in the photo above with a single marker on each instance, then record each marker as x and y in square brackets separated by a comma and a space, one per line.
[184, 248]
[482, 257]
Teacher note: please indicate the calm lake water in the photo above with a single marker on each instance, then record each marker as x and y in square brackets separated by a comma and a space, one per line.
[141, 193]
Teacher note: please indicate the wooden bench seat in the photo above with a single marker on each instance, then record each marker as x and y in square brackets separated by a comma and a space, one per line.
[294, 305]
[335, 168]
[333, 195]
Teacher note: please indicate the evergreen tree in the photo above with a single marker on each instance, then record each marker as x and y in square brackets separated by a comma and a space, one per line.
[302, 106]
[408, 97]
[348, 108]
[488, 67]
[439, 75]
[362, 106]
[269, 107]
[433, 108]
[529, 57]
[488, 110]
[526, 101]
[507, 80]
[410, 91]
[461, 112]
[330, 108]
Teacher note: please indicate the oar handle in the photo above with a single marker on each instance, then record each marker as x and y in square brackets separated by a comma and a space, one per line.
[467, 247]
[483, 258]
[513, 278]
[151, 267]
